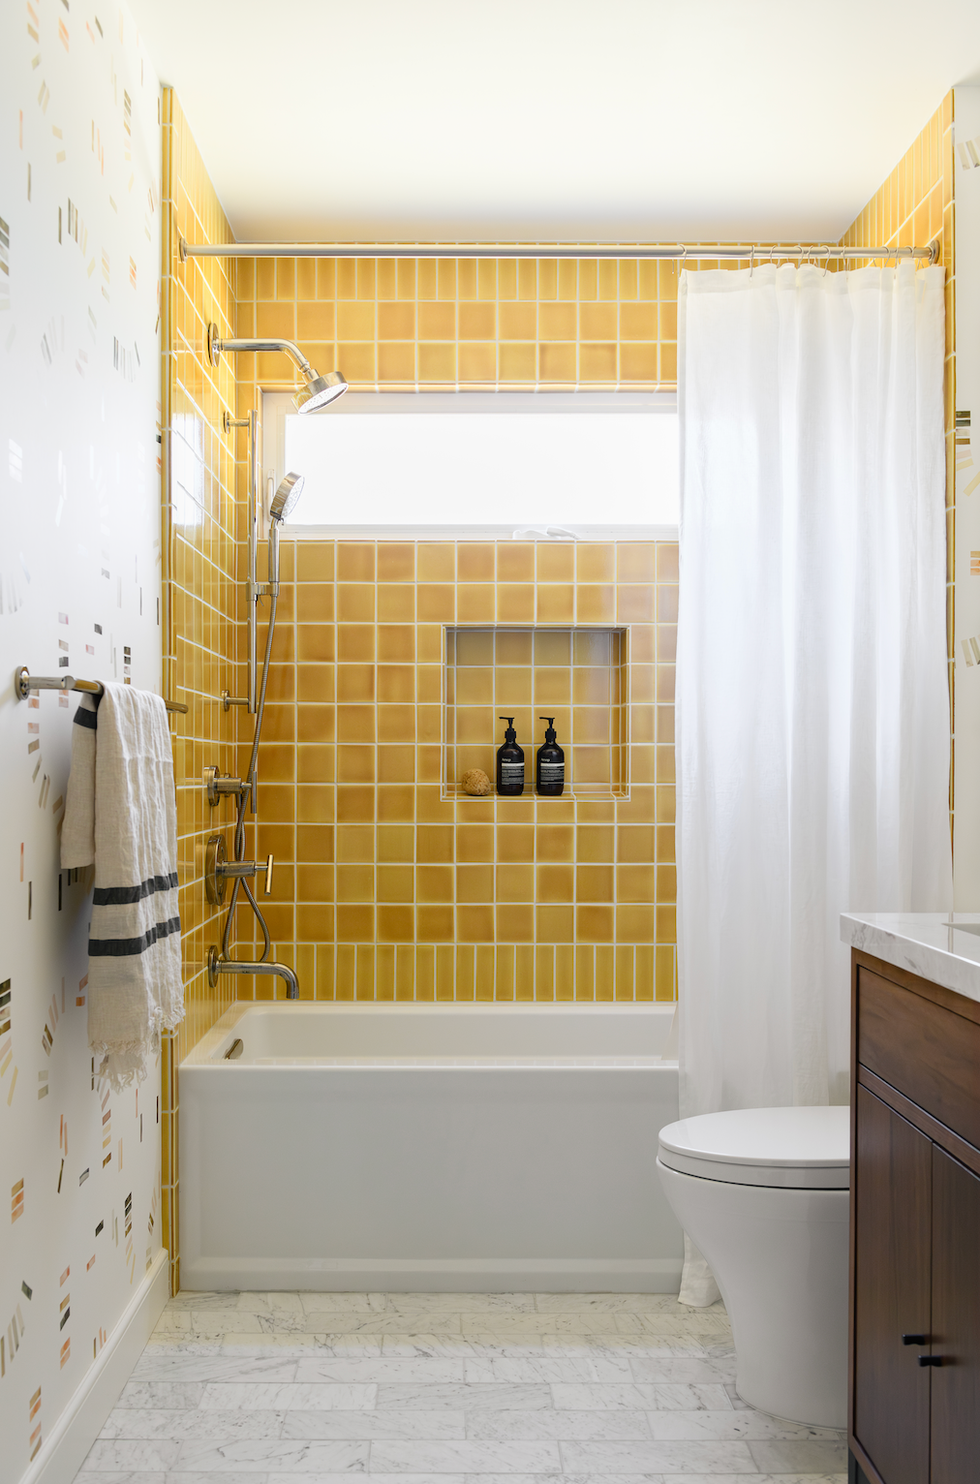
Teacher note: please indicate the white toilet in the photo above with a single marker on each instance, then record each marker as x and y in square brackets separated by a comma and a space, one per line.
[764, 1192]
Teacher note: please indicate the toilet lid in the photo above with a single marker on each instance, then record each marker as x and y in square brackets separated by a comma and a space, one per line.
[800, 1148]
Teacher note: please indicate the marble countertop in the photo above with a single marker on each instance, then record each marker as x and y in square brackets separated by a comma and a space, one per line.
[935, 945]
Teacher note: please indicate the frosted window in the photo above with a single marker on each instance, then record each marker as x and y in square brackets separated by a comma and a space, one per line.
[496, 462]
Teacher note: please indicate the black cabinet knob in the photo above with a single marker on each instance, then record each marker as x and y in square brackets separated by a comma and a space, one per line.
[915, 1339]
[930, 1360]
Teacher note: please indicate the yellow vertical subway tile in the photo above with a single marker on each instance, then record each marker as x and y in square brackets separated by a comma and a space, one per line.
[584, 971]
[504, 973]
[664, 972]
[527, 278]
[544, 972]
[506, 278]
[346, 278]
[344, 980]
[605, 972]
[644, 972]
[387, 280]
[366, 278]
[484, 971]
[265, 278]
[385, 971]
[407, 278]
[425, 971]
[608, 279]
[405, 972]
[365, 971]
[445, 971]
[564, 971]
[427, 272]
[446, 278]
[486, 278]
[464, 971]
[625, 984]
[567, 279]
[285, 278]
[628, 279]
[588, 280]
[466, 286]
[547, 278]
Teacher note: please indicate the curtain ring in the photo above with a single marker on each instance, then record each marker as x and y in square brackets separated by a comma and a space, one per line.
[826, 261]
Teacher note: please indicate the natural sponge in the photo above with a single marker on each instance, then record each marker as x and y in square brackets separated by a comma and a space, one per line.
[475, 782]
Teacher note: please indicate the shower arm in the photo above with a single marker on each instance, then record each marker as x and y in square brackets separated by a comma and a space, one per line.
[217, 345]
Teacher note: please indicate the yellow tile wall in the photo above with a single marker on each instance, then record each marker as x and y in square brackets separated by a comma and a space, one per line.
[912, 207]
[386, 889]
[537, 322]
[201, 589]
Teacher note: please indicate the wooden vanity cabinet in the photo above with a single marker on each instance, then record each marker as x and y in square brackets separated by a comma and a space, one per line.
[914, 1382]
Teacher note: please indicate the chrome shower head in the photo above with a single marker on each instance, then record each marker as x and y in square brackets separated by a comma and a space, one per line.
[286, 497]
[319, 391]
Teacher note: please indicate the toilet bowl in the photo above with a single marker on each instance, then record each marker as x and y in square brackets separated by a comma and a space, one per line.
[764, 1192]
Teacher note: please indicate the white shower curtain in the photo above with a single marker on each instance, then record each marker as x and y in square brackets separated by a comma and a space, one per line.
[812, 705]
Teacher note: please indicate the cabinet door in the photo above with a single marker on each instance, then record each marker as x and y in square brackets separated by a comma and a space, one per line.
[955, 1322]
[892, 1241]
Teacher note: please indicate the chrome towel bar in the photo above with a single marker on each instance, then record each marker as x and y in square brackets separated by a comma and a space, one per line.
[25, 682]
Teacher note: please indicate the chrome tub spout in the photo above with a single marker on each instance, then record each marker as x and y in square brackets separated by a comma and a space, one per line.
[219, 965]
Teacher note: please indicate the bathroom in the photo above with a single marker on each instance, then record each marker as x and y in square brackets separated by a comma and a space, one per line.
[496, 977]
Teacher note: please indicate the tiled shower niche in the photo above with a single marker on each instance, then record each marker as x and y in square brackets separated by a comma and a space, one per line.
[579, 675]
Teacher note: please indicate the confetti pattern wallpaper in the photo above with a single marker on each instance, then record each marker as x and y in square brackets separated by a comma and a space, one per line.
[79, 594]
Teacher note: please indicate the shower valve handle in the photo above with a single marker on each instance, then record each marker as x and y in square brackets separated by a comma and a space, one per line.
[268, 875]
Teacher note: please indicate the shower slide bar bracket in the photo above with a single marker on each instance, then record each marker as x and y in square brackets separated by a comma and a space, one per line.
[25, 682]
[826, 252]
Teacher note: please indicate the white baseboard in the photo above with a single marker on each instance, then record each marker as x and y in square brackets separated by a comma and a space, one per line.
[435, 1275]
[84, 1417]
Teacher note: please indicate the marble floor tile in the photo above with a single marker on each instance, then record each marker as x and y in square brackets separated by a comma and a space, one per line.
[468, 1397]
[375, 1424]
[465, 1458]
[291, 1455]
[294, 1396]
[134, 1422]
[316, 1388]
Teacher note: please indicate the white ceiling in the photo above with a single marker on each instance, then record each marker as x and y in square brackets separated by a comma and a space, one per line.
[546, 120]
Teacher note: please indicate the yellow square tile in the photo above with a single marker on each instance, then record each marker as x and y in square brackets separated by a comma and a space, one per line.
[594, 924]
[437, 361]
[396, 321]
[477, 321]
[437, 321]
[474, 924]
[558, 361]
[396, 924]
[518, 361]
[515, 923]
[396, 361]
[555, 924]
[518, 321]
[478, 361]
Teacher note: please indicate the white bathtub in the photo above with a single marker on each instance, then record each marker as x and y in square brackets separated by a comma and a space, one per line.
[429, 1147]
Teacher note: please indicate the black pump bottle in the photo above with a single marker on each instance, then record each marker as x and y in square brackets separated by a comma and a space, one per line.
[510, 762]
[550, 763]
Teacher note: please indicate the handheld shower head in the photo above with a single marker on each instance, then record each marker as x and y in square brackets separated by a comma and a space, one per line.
[284, 502]
[286, 497]
[319, 391]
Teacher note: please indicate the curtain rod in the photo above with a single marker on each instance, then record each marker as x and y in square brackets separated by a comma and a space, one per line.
[825, 251]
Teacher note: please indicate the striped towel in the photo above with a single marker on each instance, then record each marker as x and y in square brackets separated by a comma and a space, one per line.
[121, 814]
